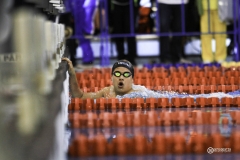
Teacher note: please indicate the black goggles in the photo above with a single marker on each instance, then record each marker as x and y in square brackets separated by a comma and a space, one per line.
[125, 74]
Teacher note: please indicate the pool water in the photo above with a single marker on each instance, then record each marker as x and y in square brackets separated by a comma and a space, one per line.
[143, 92]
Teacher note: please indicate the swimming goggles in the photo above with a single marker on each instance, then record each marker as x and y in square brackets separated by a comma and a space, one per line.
[125, 74]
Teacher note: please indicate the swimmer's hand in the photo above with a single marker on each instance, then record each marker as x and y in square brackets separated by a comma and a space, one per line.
[68, 61]
[70, 65]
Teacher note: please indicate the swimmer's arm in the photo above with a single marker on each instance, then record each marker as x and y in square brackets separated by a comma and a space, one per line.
[95, 95]
[75, 91]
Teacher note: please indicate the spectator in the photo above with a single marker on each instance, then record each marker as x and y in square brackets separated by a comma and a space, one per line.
[120, 17]
[83, 12]
[170, 18]
[192, 17]
[208, 10]
[85, 26]
[145, 22]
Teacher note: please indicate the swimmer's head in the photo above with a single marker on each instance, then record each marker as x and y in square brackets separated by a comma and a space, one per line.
[123, 63]
[122, 77]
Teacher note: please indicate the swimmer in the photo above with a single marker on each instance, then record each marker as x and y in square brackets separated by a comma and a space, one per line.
[123, 86]
[122, 80]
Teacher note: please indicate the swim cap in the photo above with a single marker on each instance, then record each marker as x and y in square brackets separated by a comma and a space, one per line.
[123, 63]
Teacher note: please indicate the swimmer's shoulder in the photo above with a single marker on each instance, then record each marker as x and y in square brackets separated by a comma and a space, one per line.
[108, 92]
[107, 88]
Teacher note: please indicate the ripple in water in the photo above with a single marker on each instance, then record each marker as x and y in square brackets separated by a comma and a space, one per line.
[143, 92]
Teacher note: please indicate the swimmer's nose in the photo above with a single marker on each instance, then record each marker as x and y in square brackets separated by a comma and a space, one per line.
[121, 76]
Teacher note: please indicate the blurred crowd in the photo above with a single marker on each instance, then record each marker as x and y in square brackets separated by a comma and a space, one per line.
[173, 21]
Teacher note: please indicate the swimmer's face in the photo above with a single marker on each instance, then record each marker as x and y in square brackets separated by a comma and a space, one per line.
[122, 80]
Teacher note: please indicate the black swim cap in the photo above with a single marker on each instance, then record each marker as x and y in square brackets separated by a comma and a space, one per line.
[123, 63]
